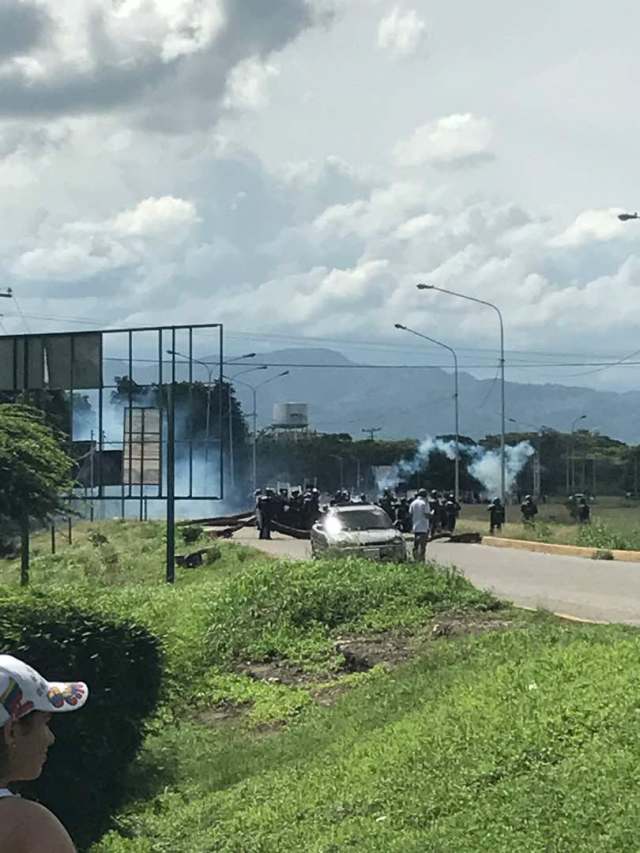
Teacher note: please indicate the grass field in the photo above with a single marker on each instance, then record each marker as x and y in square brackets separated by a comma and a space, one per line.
[615, 523]
[523, 740]
[343, 705]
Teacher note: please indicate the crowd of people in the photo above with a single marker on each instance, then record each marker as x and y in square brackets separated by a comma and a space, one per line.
[299, 509]
[444, 510]
[296, 509]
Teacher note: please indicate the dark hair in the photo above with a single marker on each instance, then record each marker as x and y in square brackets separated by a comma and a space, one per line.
[24, 722]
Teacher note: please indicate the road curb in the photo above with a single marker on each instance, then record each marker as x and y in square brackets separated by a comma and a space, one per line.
[559, 550]
[566, 616]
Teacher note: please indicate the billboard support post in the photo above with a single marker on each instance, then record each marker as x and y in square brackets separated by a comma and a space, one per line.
[171, 472]
[63, 363]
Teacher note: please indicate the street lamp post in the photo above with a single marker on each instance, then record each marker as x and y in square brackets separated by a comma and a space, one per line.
[209, 366]
[456, 397]
[573, 461]
[254, 390]
[341, 461]
[230, 381]
[503, 425]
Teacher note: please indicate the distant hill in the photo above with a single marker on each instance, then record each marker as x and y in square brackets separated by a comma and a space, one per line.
[344, 397]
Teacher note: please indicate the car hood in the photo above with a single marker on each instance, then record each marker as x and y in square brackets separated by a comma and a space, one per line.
[351, 538]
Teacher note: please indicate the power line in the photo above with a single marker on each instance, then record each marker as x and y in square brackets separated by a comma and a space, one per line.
[490, 391]
[512, 362]
[22, 317]
[356, 342]
[361, 342]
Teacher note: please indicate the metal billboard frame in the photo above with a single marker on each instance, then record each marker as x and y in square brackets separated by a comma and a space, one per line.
[30, 346]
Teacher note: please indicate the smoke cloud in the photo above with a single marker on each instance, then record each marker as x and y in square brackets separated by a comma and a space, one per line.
[483, 464]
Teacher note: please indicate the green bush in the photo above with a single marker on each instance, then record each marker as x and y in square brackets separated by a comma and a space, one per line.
[121, 662]
[291, 610]
[191, 534]
[599, 535]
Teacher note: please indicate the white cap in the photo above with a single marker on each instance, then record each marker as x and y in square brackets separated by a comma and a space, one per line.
[23, 690]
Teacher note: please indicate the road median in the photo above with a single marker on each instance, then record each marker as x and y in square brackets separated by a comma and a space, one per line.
[559, 550]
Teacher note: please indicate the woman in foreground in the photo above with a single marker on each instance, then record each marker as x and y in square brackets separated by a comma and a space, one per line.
[27, 703]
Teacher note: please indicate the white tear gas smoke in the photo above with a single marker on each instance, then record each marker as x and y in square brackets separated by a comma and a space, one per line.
[197, 462]
[483, 464]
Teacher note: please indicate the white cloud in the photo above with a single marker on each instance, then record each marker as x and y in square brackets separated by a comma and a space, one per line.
[167, 62]
[592, 226]
[69, 262]
[247, 86]
[402, 33]
[156, 217]
[456, 140]
[82, 250]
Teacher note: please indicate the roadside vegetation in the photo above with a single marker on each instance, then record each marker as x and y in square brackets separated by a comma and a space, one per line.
[615, 525]
[514, 740]
[345, 705]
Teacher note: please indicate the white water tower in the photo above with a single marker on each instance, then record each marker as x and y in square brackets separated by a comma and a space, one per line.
[290, 416]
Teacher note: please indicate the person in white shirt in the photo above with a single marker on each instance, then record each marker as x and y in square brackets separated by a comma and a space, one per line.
[420, 513]
[27, 703]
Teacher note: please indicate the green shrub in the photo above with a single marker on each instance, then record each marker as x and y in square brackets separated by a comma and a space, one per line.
[290, 610]
[96, 538]
[541, 532]
[121, 662]
[599, 535]
[191, 534]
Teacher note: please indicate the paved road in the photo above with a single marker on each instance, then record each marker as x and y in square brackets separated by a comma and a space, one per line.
[588, 589]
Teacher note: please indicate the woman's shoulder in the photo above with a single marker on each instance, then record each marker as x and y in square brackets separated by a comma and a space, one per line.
[27, 826]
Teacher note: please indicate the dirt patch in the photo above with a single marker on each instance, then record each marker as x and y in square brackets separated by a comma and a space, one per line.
[282, 672]
[392, 648]
[360, 653]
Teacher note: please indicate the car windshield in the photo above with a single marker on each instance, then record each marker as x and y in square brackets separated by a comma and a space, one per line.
[363, 519]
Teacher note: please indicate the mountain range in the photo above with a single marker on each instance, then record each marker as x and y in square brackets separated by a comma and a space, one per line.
[415, 402]
[344, 396]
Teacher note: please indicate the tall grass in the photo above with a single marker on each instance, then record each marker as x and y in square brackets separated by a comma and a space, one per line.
[517, 741]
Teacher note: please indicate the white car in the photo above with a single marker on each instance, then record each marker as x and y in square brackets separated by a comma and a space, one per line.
[357, 530]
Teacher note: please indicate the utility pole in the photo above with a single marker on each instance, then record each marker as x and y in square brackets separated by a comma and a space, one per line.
[372, 431]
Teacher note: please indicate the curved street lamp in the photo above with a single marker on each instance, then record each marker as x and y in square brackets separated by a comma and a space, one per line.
[455, 396]
[503, 425]
[209, 367]
[571, 477]
[254, 390]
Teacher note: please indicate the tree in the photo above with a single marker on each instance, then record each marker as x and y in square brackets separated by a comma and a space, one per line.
[198, 408]
[34, 468]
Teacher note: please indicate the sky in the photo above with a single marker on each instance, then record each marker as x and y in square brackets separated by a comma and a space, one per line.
[293, 168]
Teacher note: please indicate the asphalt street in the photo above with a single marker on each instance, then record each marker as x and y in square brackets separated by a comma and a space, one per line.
[602, 591]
